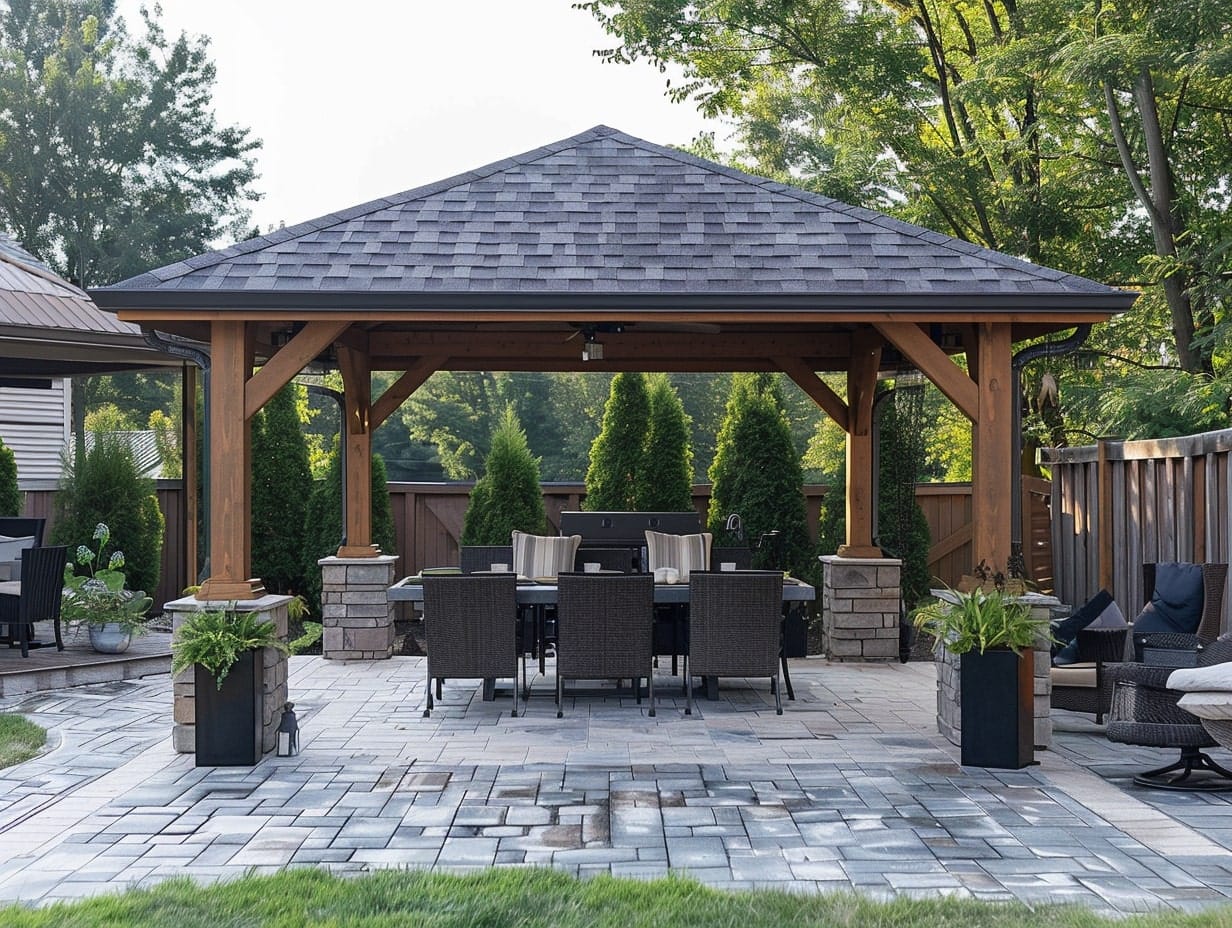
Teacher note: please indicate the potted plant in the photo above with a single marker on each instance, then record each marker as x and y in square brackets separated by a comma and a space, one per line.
[226, 649]
[993, 633]
[98, 598]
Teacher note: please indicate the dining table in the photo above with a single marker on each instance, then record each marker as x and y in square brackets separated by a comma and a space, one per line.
[541, 592]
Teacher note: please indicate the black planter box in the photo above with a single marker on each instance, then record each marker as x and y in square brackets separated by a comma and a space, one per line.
[229, 721]
[998, 709]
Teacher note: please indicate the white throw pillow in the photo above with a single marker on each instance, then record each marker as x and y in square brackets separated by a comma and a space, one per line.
[684, 552]
[544, 555]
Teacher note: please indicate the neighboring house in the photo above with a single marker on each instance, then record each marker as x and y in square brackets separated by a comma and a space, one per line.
[35, 425]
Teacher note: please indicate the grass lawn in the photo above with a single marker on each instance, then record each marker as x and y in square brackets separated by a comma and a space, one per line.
[19, 739]
[533, 897]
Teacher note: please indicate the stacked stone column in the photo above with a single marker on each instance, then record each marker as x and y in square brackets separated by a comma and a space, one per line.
[274, 686]
[859, 608]
[356, 614]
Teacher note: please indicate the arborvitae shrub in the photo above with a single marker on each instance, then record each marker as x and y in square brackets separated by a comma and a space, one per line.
[508, 495]
[665, 481]
[10, 496]
[757, 473]
[617, 454]
[104, 485]
[281, 485]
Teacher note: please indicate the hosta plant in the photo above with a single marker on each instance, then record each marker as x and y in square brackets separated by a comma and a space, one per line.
[95, 588]
[215, 639]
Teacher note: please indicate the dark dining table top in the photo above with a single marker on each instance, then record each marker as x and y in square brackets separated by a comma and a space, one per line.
[544, 592]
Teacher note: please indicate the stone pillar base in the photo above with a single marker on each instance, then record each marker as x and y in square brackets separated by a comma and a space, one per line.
[356, 614]
[859, 608]
[184, 704]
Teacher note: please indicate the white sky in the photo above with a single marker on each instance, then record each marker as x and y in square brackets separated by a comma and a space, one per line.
[361, 99]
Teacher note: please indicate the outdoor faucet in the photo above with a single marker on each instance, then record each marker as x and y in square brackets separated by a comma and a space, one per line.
[735, 526]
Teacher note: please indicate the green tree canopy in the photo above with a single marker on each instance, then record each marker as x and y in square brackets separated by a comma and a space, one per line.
[665, 480]
[618, 453]
[10, 496]
[111, 158]
[507, 497]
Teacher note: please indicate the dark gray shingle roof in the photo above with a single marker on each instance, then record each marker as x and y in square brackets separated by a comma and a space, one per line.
[603, 212]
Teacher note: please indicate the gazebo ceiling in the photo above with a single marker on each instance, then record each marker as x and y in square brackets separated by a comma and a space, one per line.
[673, 262]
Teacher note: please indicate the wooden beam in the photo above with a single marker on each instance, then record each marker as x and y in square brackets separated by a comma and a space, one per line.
[230, 490]
[292, 358]
[357, 394]
[398, 391]
[861, 389]
[1104, 536]
[725, 364]
[816, 389]
[992, 459]
[935, 364]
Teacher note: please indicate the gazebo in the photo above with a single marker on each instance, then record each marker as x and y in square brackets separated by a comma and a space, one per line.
[668, 261]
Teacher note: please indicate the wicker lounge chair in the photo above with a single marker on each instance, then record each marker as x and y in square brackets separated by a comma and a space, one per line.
[735, 628]
[1081, 687]
[1207, 624]
[470, 630]
[604, 630]
[1145, 712]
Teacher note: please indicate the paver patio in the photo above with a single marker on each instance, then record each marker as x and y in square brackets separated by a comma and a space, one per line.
[851, 788]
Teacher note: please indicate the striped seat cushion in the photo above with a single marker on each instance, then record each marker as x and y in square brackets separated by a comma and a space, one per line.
[543, 555]
[684, 552]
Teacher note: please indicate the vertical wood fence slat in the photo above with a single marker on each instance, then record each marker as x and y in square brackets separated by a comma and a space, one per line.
[1170, 500]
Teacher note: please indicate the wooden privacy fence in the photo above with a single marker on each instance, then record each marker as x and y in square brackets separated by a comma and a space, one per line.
[428, 523]
[1118, 505]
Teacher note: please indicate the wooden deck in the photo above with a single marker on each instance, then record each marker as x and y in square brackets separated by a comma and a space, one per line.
[49, 669]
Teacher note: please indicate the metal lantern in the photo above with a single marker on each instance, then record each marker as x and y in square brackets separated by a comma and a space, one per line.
[288, 732]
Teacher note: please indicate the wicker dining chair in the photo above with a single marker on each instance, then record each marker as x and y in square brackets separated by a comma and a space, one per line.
[735, 628]
[475, 558]
[620, 559]
[470, 630]
[42, 582]
[605, 628]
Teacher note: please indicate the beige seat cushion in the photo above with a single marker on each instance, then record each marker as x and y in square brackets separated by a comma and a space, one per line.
[1075, 675]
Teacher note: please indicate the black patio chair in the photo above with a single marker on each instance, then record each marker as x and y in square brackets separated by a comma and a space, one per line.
[20, 527]
[620, 559]
[42, 581]
[605, 626]
[1203, 625]
[475, 558]
[735, 628]
[470, 628]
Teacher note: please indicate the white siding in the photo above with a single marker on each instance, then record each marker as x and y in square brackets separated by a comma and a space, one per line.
[36, 425]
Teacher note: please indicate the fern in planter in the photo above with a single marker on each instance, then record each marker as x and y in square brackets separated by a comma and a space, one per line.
[980, 620]
[216, 638]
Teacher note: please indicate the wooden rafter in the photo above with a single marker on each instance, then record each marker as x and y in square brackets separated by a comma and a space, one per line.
[410, 381]
[292, 358]
[949, 378]
[801, 372]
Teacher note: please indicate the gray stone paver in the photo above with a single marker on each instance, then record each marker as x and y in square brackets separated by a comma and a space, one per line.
[849, 789]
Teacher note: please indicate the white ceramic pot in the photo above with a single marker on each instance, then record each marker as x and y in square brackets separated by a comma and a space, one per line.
[110, 638]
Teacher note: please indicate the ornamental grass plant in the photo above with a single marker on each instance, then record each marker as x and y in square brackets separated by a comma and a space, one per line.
[980, 620]
[215, 639]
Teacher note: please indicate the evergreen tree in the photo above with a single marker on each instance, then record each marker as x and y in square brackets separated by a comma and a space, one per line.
[508, 495]
[10, 496]
[665, 480]
[323, 527]
[281, 484]
[104, 485]
[617, 455]
[757, 473]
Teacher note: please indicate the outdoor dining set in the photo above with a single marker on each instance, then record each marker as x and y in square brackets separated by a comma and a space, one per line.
[604, 613]
[31, 577]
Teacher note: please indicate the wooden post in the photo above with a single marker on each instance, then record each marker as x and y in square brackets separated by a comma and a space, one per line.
[356, 368]
[992, 469]
[230, 476]
[1104, 540]
[861, 389]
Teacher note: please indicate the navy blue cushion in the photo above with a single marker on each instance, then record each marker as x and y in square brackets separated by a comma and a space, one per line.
[1176, 604]
[1067, 655]
[1066, 631]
